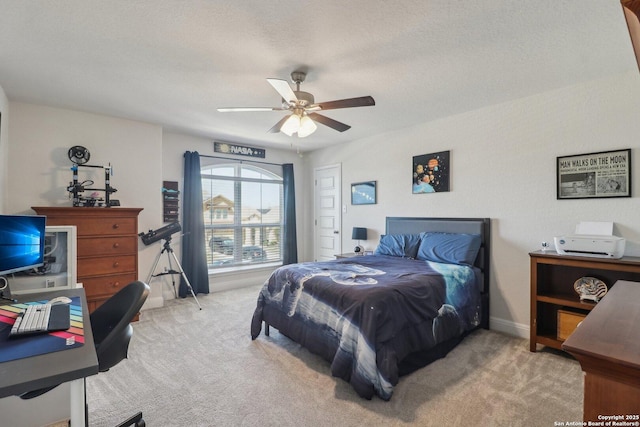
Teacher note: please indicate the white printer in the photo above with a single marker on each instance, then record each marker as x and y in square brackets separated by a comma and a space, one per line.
[590, 245]
[594, 239]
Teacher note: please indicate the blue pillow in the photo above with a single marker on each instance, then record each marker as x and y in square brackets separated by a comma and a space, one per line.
[400, 245]
[449, 248]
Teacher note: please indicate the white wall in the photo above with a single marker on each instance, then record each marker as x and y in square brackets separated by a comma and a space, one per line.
[4, 146]
[39, 168]
[142, 157]
[502, 166]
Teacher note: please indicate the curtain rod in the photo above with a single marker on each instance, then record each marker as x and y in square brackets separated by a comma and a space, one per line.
[240, 160]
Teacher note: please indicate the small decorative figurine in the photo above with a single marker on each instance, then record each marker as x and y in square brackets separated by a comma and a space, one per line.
[590, 289]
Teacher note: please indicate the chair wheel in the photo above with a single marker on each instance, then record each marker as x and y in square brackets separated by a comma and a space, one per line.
[135, 420]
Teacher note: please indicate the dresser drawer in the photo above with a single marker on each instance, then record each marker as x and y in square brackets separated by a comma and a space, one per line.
[96, 287]
[107, 245]
[106, 265]
[103, 225]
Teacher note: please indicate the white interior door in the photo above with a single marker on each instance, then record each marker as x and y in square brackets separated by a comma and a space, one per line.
[327, 201]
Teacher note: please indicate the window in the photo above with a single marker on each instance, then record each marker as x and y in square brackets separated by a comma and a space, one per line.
[243, 216]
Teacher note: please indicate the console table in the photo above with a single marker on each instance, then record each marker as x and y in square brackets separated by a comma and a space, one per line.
[607, 345]
[552, 279]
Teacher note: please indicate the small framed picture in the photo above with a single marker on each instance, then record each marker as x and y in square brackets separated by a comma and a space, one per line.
[363, 193]
[594, 175]
[431, 173]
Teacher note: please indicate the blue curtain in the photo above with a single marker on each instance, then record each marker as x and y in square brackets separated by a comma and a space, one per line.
[194, 257]
[289, 239]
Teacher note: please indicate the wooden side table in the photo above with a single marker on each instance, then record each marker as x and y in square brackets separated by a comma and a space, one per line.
[347, 255]
[552, 280]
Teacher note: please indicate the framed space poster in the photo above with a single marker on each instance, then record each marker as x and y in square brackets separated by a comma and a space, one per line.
[431, 173]
[363, 193]
[594, 175]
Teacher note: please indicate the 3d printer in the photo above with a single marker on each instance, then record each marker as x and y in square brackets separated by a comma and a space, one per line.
[80, 156]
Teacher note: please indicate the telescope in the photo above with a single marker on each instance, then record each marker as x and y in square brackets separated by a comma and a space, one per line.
[165, 233]
[161, 233]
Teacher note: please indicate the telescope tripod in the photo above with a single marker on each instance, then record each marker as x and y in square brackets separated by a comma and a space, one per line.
[167, 248]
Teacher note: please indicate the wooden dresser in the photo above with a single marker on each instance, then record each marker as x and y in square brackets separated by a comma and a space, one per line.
[107, 247]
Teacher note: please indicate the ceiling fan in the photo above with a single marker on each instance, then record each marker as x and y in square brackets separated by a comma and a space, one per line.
[303, 108]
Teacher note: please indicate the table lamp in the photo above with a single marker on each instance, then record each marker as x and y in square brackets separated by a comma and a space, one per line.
[359, 233]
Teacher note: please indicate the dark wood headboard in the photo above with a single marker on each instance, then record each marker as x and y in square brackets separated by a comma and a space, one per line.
[481, 226]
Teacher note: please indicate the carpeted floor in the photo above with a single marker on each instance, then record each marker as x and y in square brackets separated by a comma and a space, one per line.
[188, 367]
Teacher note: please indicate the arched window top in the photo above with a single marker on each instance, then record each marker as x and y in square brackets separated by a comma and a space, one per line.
[241, 170]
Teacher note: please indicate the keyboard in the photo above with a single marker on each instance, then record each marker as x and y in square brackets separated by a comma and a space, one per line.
[40, 319]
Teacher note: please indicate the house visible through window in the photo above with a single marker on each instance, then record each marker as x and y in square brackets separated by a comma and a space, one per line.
[242, 207]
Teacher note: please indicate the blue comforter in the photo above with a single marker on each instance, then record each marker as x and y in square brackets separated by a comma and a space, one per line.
[378, 309]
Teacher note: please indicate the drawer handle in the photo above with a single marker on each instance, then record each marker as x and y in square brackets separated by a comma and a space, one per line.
[116, 284]
[116, 226]
[116, 245]
[116, 264]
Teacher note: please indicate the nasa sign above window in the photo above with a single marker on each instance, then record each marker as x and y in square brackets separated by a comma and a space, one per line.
[240, 150]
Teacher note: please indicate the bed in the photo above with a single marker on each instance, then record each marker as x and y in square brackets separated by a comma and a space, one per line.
[378, 317]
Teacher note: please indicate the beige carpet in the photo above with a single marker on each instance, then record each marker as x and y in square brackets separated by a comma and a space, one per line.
[200, 368]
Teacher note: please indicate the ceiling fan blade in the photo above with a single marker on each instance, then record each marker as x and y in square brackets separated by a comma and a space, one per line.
[285, 91]
[243, 109]
[363, 101]
[277, 126]
[333, 124]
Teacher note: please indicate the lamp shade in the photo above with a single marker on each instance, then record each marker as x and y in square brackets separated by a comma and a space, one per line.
[291, 125]
[307, 127]
[359, 233]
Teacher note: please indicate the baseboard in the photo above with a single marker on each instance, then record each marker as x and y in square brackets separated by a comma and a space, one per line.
[508, 327]
[155, 302]
[234, 279]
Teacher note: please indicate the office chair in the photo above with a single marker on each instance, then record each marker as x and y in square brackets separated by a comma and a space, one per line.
[112, 331]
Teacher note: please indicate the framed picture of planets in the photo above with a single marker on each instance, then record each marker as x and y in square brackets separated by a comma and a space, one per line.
[363, 193]
[431, 173]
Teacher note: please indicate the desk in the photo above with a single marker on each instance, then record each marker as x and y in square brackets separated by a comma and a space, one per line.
[607, 345]
[32, 373]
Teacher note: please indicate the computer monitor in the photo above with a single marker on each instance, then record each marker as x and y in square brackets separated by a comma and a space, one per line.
[21, 242]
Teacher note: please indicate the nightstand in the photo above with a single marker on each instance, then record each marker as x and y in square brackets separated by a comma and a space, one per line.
[347, 255]
[552, 290]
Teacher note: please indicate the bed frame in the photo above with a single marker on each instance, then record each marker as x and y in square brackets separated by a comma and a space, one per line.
[481, 226]
[325, 346]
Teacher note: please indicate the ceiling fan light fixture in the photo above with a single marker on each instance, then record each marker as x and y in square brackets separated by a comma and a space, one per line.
[307, 127]
[303, 108]
[291, 125]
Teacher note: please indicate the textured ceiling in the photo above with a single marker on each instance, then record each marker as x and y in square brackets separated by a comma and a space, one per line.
[173, 63]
